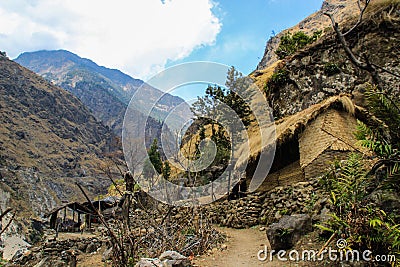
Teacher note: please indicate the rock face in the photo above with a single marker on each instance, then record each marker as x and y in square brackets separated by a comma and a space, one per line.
[48, 141]
[284, 234]
[322, 69]
[312, 23]
[106, 92]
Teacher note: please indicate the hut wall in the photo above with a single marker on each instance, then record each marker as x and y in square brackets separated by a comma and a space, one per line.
[291, 174]
[322, 163]
[329, 137]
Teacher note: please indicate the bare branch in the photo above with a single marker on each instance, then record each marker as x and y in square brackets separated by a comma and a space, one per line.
[103, 221]
[346, 47]
[9, 222]
[386, 70]
[360, 17]
[366, 65]
[5, 213]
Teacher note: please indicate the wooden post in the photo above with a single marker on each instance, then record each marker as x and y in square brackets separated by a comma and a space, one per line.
[129, 188]
[53, 220]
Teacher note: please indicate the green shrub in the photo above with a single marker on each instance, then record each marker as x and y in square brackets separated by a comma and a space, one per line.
[290, 43]
[279, 78]
[331, 69]
[361, 195]
[355, 216]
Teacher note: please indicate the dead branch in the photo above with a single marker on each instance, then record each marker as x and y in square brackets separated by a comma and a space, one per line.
[5, 213]
[116, 243]
[360, 17]
[326, 243]
[107, 171]
[9, 222]
[364, 65]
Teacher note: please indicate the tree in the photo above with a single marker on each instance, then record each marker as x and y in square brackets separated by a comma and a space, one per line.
[154, 160]
[237, 86]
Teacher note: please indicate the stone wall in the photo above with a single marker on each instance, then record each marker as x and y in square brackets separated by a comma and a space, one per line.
[267, 207]
[57, 253]
[323, 161]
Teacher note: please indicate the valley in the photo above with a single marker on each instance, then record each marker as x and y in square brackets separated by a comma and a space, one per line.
[76, 190]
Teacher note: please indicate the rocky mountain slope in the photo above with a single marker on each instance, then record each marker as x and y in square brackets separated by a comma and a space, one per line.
[343, 9]
[105, 91]
[322, 69]
[49, 140]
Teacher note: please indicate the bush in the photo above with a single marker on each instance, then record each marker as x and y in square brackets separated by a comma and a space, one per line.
[364, 197]
[355, 216]
[279, 78]
[331, 69]
[290, 43]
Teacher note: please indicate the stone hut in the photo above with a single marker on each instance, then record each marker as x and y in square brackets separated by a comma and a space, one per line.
[310, 140]
[330, 136]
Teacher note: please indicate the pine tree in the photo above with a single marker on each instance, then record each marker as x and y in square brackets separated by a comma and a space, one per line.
[237, 85]
[154, 160]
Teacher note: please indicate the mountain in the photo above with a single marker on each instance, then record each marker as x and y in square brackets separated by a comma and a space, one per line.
[344, 10]
[105, 91]
[48, 141]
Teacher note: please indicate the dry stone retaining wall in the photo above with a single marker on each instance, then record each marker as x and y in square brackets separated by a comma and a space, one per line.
[267, 207]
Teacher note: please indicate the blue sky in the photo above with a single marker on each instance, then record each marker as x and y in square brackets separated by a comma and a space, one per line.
[143, 37]
[246, 27]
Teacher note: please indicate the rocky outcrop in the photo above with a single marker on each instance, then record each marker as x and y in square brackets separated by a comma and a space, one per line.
[284, 234]
[317, 21]
[323, 69]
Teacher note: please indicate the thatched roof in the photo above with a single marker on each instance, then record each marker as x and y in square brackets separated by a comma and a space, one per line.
[289, 127]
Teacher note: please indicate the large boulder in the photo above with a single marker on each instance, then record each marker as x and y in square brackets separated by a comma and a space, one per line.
[284, 234]
[174, 259]
[145, 262]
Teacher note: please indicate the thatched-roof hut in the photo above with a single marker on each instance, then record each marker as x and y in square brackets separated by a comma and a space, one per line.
[308, 141]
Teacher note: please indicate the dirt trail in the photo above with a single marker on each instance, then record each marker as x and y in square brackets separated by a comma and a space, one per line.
[242, 248]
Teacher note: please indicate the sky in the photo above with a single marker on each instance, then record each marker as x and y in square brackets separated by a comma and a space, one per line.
[143, 37]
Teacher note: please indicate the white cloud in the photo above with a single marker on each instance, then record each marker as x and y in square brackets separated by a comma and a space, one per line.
[137, 36]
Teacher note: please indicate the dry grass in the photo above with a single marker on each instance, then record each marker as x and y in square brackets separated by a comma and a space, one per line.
[261, 77]
[290, 126]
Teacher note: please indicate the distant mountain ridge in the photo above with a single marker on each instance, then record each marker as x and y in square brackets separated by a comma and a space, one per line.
[105, 91]
[53, 63]
[48, 141]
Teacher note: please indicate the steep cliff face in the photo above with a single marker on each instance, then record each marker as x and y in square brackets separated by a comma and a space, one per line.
[323, 69]
[48, 141]
[318, 21]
